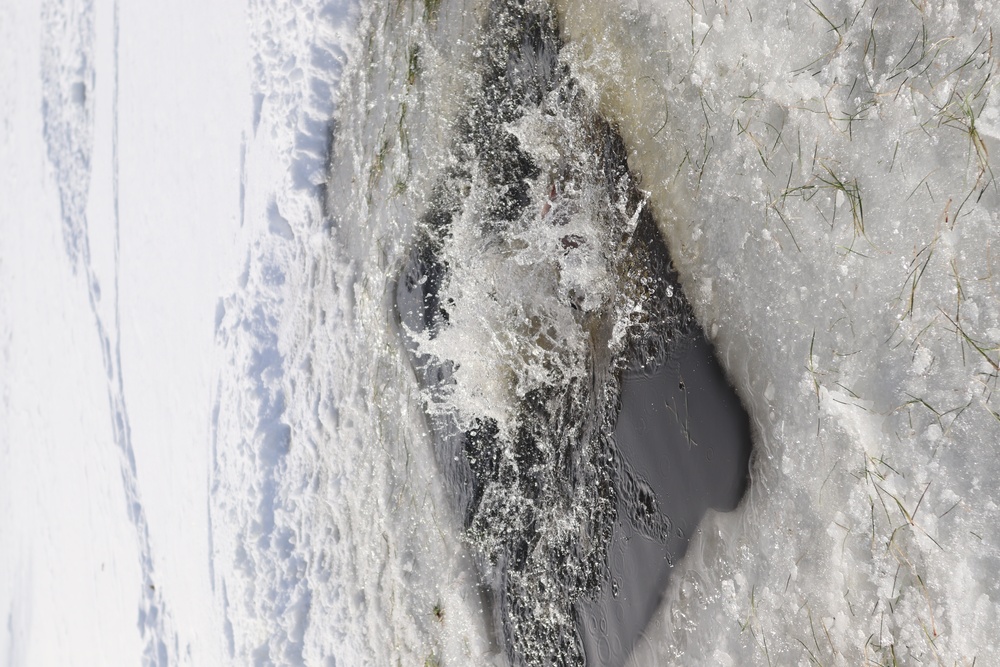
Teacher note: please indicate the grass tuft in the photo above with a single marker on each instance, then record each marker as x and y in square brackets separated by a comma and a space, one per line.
[431, 9]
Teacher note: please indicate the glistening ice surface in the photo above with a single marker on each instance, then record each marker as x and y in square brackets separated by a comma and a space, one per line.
[252, 477]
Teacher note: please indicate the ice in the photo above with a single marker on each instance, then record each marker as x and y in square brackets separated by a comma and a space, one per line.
[824, 188]
[213, 446]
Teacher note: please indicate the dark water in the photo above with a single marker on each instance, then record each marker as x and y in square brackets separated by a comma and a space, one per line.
[683, 432]
[578, 514]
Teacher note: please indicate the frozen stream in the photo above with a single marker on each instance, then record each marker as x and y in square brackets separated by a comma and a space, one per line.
[316, 316]
[825, 186]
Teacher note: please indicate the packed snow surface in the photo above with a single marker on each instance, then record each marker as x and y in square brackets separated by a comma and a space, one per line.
[213, 446]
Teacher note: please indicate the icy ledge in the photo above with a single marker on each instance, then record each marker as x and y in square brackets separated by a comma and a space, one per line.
[824, 173]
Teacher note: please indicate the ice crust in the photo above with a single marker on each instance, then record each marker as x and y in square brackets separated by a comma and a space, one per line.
[825, 177]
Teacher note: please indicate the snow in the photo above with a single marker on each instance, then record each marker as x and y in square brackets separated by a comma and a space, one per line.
[120, 211]
[212, 447]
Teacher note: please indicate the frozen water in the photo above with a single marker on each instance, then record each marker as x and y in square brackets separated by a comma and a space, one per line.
[824, 175]
[820, 171]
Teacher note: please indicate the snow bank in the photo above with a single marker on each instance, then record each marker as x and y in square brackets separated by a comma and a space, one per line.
[331, 541]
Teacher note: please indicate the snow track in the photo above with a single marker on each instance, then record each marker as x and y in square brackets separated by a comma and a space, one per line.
[69, 108]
